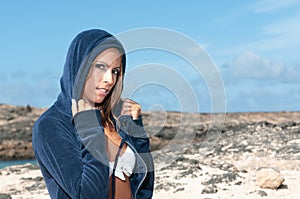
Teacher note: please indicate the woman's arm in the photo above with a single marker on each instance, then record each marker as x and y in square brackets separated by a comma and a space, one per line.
[77, 166]
[131, 122]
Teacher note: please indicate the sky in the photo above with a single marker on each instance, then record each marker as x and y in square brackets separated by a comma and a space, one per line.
[254, 46]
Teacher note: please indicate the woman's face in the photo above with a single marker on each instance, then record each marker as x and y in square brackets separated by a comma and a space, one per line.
[102, 76]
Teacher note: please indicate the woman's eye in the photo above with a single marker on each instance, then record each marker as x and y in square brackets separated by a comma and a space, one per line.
[116, 71]
[101, 66]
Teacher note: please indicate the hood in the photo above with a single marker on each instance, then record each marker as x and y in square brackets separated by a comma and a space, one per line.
[85, 47]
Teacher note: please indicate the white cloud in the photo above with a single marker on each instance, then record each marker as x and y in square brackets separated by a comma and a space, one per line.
[271, 5]
[276, 33]
[39, 88]
[264, 98]
[281, 37]
[3, 76]
[282, 33]
[286, 26]
[292, 74]
[249, 65]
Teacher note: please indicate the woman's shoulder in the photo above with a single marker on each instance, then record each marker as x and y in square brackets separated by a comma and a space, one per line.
[52, 121]
[49, 116]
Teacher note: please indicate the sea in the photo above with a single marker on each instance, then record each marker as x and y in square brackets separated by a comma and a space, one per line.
[4, 164]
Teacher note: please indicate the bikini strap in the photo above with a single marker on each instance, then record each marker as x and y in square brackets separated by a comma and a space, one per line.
[113, 181]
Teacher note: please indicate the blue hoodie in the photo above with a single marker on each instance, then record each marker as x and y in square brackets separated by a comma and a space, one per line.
[71, 152]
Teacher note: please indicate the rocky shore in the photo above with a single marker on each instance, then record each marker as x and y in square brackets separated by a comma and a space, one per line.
[15, 131]
[239, 155]
[256, 156]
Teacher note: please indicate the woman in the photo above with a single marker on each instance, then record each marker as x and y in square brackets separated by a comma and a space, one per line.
[90, 143]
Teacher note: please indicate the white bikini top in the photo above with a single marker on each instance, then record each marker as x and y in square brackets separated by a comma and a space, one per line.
[125, 165]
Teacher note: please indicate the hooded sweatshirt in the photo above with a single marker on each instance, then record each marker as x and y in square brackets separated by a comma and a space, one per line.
[71, 152]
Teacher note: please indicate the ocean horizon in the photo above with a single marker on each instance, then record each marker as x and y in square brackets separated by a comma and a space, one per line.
[6, 163]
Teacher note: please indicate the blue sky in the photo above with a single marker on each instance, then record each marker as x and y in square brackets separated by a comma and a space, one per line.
[254, 44]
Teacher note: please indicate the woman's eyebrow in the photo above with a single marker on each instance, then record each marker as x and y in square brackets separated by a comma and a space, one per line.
[103, 62]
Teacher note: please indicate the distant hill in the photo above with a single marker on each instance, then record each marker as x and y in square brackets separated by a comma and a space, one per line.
[15, 131]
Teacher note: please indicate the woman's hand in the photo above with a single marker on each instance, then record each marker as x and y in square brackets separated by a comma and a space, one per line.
[80, 106]
[131, 108]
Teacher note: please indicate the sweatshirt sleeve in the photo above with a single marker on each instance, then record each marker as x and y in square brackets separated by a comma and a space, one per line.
[143, 142]
[77, 167]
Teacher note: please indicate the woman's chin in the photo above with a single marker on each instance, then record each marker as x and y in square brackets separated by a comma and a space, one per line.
[98, 101]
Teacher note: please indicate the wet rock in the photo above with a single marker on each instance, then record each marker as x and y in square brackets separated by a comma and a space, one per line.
[5, 196]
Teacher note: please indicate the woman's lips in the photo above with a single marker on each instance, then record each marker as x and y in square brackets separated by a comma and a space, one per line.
[102, 91]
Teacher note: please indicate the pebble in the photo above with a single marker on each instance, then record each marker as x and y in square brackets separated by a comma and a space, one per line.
[269, 178]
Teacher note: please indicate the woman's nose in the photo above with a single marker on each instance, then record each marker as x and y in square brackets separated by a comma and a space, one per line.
[107, 77]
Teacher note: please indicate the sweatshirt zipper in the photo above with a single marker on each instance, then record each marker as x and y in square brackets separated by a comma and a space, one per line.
[145, 174]
[144, 167]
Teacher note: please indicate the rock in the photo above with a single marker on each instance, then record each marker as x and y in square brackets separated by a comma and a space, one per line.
[227, 178]
[268, 178]
[179, 189]
[15, 131]
[210, 189]
[5, 196]
[262, 193]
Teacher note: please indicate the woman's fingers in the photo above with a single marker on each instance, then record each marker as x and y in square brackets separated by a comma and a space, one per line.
[81, 105]
[74, 107]
[131, 108]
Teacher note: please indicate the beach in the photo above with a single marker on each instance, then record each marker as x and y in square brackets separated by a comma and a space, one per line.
[215, 160]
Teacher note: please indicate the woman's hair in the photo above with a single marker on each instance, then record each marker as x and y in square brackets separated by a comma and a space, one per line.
[111, 100]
